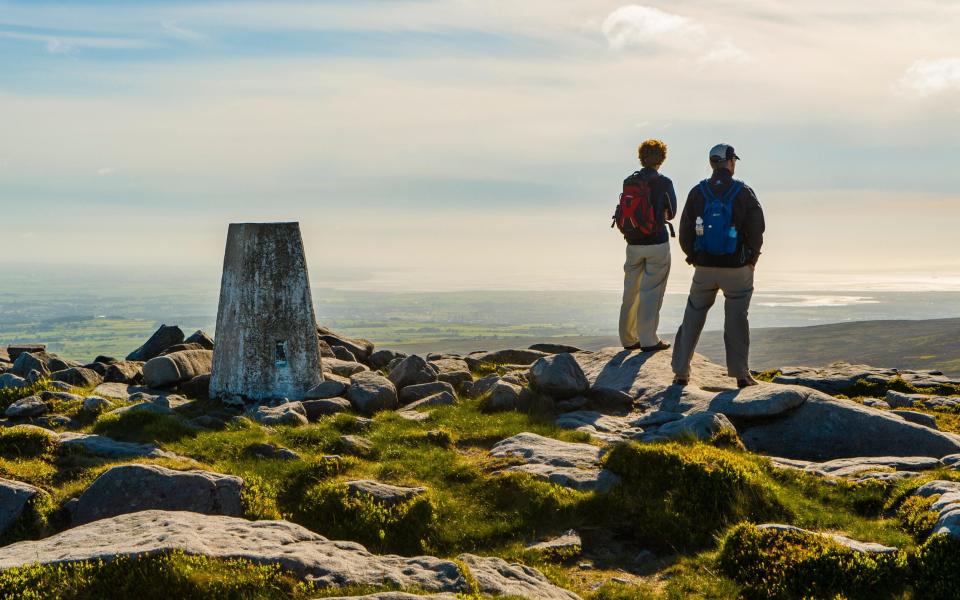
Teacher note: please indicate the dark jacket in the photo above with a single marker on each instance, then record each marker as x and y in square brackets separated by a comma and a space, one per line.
[663, 197]
[747, 218]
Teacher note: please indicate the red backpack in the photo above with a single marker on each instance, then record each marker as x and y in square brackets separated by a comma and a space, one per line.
[635, 215]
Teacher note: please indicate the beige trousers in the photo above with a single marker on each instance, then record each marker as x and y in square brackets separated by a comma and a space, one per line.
[737, 287]
[644, 282]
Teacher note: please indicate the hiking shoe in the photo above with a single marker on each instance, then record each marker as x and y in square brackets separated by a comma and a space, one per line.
[633, 347]
[661, 345]
[681, 381]
[745, 382]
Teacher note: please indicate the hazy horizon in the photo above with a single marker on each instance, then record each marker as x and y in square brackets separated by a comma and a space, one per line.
[468, 144]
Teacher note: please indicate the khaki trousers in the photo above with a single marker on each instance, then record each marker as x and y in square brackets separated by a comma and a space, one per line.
[737, 287]
[644, 283]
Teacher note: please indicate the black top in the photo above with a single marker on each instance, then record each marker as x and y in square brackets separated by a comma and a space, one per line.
[747, 218]
[663, 197]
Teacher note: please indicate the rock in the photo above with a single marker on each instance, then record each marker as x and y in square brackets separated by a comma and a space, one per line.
[503, 396]
[362, 349]
[412, 370]
[700, 426]
[506, 357]
[96, 405]
[555, 348]
[395, 596]
[162, 338]
[133, 488]
[571, 465]
[198, 387]
[288, 413]
[343, 354]
[460, 380]
[162, 405]
[606, 399]
[14, 351]
[297, 549]
[14, 497]
[574, 404]
[316, 409]
[55, 363]
[28, 362]
[171, 369]
[181, 348]
[384, 493]
[356, 445]
[78, 377]
[208, 422]
[917, 417]
[484, 385]
[370, 393]
[11, 381]
[201, 338]
[559, 376]
[837, 377]
[31, 406]
[441, 399]
[99, 445]
[599, 426]
[342, 368]
[566, 546]
[106, 360]
[327, 389]
[98, 368]
[449, 365]
[900, 400]
[412, 393]
[381, 358]
[271, 451]
[777, 420]
[874, 403]
[856, 546]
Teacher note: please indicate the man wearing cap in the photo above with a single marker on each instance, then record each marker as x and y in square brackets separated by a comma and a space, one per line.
[727, 268]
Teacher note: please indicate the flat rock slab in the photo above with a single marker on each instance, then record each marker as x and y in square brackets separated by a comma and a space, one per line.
[860, 466]
[99, 445]
[607, 428]
[123, 391]
[133, 488]
[568, 541]
[897, 399]
[568, 464]
[384, 493]
[837, 377]
[309, 555]
[855, 545]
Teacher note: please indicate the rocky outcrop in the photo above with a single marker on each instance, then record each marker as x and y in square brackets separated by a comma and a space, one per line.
[179, 367]
[412, 370]
[77, 377]
[133, 488]
[307, 554]
[360, 348]
[99, 445]
[837, 377]
[31, 406]
[370, 393]
[162, 338]
[559, 376]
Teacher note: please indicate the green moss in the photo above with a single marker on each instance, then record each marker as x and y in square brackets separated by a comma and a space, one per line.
[680, 496]
[333, 510]
[10, 395]
[934, 568]
[791, 564]
[916, 517]
[26, 442]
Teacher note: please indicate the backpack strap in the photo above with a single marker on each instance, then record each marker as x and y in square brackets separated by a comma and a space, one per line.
[733, 192]
[708, 195]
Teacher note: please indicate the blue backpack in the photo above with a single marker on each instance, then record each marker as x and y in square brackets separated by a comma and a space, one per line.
[717, 235]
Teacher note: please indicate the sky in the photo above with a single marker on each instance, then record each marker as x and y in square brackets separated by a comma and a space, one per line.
[476, 144]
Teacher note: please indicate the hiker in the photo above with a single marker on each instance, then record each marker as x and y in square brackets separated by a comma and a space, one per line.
[647, 205]
[721, 232]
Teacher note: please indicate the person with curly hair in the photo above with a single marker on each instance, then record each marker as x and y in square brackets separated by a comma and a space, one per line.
[647, 266]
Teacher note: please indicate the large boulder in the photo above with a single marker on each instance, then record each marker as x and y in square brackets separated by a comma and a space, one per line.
[162, 338]
[503, 396]
[105, 447]
[412, 370]
[329, 388]
[780, 420]
[288, 413]
[125, 371]
[77, 377]
[412, 393]
[342, 368]
[316, 409]
[28, 362]
[132, 488]
[15, 350]
[308, 555]
[11, 381]
[201, 338]
[179, 367]
[381, 358]
[559, 376]
[568, 464]
[31, 406]
[370, 393]
[362, 349]
[837, 377]
[510, 356]
[14, 497]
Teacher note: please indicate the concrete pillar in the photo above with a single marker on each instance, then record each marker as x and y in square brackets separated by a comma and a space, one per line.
[266, 338]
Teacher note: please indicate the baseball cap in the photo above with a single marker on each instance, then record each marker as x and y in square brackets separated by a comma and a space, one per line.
[723, 152]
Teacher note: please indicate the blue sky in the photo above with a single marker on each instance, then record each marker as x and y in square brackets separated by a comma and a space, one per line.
[476, 143]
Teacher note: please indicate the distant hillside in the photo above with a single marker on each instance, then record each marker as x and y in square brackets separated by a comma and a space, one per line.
[927, 344]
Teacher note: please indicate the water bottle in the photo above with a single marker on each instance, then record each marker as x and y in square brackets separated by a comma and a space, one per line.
[733, 232]
[699, 226]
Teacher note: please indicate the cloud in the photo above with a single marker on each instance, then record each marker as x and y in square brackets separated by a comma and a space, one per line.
[105, 171]
[173, 29]
[928, 77]
[635, 25]
[64, 44]
[727, 52]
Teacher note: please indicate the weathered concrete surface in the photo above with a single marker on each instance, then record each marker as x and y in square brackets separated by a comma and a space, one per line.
[307, 554]
[265, 301]
[781, 420]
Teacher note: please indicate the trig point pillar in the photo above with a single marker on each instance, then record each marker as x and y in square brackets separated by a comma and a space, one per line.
[266, 338]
